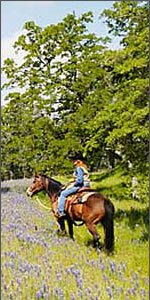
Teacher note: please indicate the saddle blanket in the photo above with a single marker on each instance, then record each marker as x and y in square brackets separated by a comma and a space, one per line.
[80, 198]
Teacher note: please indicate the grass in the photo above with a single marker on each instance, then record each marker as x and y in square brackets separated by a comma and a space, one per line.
[39, 264]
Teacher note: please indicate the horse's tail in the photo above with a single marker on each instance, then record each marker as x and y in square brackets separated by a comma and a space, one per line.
[108, 223]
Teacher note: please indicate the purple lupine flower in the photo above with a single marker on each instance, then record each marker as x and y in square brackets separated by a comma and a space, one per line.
[5, 287]
[143, 292]
[76, 273]
[113, 266]
[133, 290]
[72, 296]
[120, 275]
[109, 291]
[102, 267]
[18, 281]
[59, 277]
[44, 287]
[80, 294]
[128, 292]
[135, 276]
[59, 293]
[98, 251]
[79, 282]
[123, 265]
[105, 277]
[39, 294]
[89, 290]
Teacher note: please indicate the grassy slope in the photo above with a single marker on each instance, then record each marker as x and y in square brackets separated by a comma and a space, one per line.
[131, 220]
[37, 264]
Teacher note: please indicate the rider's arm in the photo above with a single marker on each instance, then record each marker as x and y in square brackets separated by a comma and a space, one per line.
[79, 177]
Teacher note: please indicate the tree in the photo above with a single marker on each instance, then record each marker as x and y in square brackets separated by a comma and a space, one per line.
[77, 94]
[123, 123]
[56, 76]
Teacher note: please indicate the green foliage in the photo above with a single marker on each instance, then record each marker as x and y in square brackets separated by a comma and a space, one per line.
[143, 188]
[115, 184]
[123, 123]
[77, 94]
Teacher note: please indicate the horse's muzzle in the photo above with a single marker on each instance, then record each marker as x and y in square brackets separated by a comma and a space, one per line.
[28, 192]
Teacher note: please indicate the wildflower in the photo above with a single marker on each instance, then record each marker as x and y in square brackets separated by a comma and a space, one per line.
[44, 288]
[103, 267]
[120, 274]
[143, 293]
[38, 295]
[59, 277]
[128, 292]
[133, 290]
[135, 276]
[112, 266]
[79, 281]
[89, 291]
[80, 294]
[109, 291]
[18, 281]
[58, 293]
[123, 265]
[98, 250]
[5, 287]
[72, 296]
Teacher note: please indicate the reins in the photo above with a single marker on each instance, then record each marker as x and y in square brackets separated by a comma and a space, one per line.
[46, 207]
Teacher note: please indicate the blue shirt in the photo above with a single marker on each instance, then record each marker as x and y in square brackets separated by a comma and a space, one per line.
[79, 177]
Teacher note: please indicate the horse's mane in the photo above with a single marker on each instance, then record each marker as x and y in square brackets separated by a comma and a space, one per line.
[54, 185]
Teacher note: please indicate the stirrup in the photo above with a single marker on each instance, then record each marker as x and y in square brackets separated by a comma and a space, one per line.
[61, 214]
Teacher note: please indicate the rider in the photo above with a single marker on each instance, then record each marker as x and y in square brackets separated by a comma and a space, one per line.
[81, 179]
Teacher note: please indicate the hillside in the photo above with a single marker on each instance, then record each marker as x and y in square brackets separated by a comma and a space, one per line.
[39, 264]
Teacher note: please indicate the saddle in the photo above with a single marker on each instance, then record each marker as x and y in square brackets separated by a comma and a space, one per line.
[79, 197]
[84, 188]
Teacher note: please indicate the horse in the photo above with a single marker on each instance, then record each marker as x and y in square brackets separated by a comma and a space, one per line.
[94, 209]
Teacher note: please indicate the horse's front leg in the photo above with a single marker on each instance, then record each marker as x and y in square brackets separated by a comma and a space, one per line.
[70, 227]
[60, 221]
[61, 225]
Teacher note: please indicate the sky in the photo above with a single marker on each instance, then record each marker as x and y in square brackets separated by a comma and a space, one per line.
[15, 13]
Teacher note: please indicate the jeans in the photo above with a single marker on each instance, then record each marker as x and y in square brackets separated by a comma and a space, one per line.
[64, 194]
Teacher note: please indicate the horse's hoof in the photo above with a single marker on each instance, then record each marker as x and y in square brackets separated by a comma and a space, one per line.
[89, 243]
[98, 245]
[63, 233]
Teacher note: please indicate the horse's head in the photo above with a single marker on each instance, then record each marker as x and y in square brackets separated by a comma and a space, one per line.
[36, 186]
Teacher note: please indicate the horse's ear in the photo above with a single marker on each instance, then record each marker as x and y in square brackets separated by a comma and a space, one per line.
[36, 174]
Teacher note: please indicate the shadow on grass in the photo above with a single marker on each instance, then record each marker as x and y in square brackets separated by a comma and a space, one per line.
[133, 218]
[4, 190]
[118, 192]
[101, 176]
[108, 173]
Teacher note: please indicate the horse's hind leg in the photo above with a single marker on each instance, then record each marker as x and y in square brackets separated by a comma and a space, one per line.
[92, 229]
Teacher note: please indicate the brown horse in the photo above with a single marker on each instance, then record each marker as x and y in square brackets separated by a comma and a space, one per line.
[95, 208]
